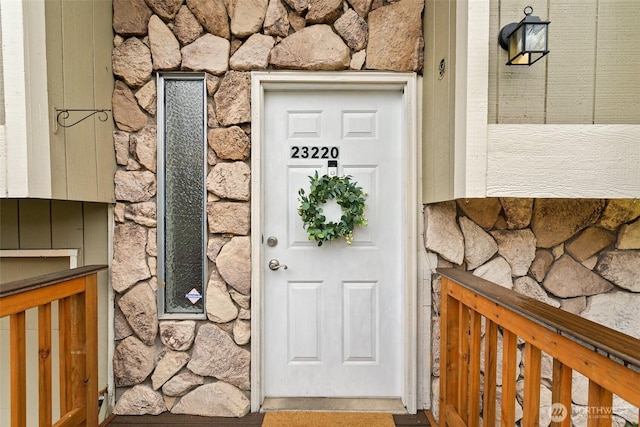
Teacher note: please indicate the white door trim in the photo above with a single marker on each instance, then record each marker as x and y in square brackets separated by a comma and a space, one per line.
[261, 82]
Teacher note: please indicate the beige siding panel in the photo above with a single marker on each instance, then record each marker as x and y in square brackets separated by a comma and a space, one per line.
[496, 60]
[521, 89]
[77, 18]
[79, 45]
[23, 268]
[58, 150]
[437, 162]
[617, 94]
[34, 224]
[103, 87]
[96, 233]
[67, 227]
[594, 161]
[9, 235]
[571, 62]
[472, 70]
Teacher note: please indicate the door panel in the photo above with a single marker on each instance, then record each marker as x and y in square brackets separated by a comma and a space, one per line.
[334, 318]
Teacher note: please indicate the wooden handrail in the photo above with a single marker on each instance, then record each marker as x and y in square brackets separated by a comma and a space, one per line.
[75, 291]
[573, 342]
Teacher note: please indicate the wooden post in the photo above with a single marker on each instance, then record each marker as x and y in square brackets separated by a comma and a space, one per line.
[475, 351]
[509, 376]
[78, 352]
[600, 406]
[449, 328]
[18, 370]
[44, 365]
[532, 360]
[463, 361]
[64, 328]
[561, 391]
[490, 373]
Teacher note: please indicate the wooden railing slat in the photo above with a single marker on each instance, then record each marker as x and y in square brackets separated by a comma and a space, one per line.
[600, 406]
[17, 334]
[475, 349]
[490, 374]
[78, 352]
[64, 348]
[71, 419]
[463, 361]
[561, 391]
[44, 365]
[509, 377]
[532, 372]
[452, 418]
[449, 332]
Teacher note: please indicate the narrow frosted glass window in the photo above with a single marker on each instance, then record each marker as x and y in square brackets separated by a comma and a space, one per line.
[181, 194]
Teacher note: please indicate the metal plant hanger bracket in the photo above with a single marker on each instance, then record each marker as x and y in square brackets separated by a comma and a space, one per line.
[62, 114]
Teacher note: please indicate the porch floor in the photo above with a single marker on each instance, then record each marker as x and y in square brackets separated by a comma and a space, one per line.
[250, 420]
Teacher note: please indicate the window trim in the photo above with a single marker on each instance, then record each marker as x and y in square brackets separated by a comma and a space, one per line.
[160, 196]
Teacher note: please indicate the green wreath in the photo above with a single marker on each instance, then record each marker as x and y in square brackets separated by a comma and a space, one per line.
[347, 194]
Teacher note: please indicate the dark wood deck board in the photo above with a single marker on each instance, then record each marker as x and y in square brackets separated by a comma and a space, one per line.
[250, 420]
[418, 419]
[169, 419]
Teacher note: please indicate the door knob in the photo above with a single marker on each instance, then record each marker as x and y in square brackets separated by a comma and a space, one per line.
[274, 265]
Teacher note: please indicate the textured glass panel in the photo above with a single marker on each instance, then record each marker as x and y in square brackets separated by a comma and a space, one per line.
[184, 194]
[536, 37]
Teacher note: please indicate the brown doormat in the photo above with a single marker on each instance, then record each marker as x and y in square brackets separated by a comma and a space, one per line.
[326, 419]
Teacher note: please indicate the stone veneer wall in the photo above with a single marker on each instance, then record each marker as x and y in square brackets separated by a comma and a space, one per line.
[582, 255]
[202, 367]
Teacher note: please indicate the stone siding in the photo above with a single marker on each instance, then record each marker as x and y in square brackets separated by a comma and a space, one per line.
[580, 255]
[202, 367]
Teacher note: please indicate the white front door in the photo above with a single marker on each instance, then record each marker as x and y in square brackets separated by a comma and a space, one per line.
[334, 318]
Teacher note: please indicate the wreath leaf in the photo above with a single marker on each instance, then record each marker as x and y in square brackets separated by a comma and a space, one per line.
[349, 197]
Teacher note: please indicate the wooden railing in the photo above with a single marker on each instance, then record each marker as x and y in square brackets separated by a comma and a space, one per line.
[609, 359]
[76, 293]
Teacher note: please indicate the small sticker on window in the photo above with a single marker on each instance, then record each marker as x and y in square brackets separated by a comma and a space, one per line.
[194, 296]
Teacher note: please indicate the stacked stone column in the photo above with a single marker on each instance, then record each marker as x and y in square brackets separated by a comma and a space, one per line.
[202, 367]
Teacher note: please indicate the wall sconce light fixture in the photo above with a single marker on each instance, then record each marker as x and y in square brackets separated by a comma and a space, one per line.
[525, 41]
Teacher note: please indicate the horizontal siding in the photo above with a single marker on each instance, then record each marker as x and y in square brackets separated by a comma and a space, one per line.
[55, 224]
[597, 161]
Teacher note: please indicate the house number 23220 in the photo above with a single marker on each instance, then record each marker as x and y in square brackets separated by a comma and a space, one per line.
[314, 152]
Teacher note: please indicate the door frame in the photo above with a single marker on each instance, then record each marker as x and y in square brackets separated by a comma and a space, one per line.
[261, 83]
